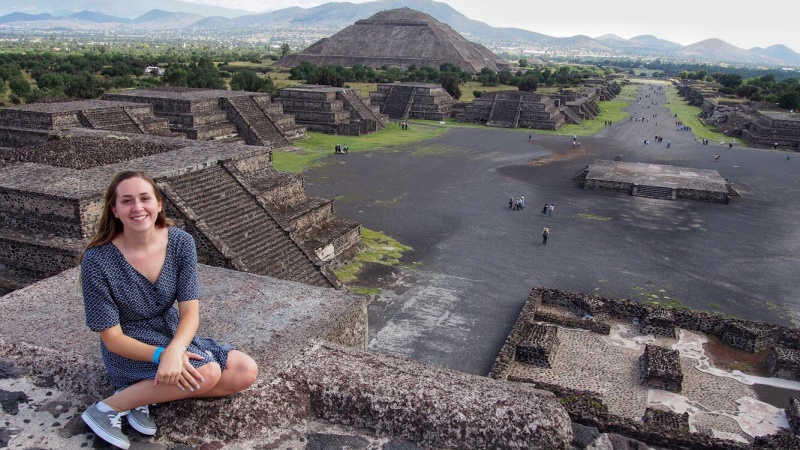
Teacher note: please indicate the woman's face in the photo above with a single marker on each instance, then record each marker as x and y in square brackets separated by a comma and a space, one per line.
[136, 205]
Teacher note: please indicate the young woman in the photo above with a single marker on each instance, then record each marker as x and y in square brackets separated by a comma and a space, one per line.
[132, 273]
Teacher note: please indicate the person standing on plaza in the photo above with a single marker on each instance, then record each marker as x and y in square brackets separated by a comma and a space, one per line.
[545, 235]
[552, 207]
[544, 210]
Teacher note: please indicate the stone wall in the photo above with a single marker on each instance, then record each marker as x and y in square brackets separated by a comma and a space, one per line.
[783, 363]
[538, 346]
[660, 368]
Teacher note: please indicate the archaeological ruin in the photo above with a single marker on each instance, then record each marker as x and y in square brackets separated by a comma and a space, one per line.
[656, 181]
[403, 101]
[610, 382]
[400, 38]
[514, 109]
[220, 115]
[760, 124]
[331, 110]
[243, 214]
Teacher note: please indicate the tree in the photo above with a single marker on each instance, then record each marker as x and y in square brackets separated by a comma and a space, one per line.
[523, 62]
[51, 82]
[528, 83]
[245, 80]
[285, 49]
[789, 100]
[19, 86]
[450, 84]
[83, 85]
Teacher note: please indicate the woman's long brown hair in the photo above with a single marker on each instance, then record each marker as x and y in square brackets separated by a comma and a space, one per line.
[109, 226]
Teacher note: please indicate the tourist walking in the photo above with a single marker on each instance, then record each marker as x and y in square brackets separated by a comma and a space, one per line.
[544, 210]
[522, 201]
[552, 207]
[511, 203]
[545, 235]
[133, 271]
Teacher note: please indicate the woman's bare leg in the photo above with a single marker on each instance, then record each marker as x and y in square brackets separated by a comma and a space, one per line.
[240, 372]
[144, 393]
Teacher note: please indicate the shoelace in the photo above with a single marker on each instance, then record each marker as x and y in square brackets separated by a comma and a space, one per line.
[116, 420]
[144, 409]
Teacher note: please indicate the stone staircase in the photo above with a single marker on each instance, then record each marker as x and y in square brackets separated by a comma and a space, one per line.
[242, 227]
[312, 219]
[658, 192]
[113, 119]
[397, 102]
[253, 122]
[360, 109]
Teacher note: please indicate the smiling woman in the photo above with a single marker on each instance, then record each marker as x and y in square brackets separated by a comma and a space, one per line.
[132, 273]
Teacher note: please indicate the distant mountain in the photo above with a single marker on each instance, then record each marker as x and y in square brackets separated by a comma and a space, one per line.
[780, 52]
[719, 50]
[96, 17]
[22, 17]
[329, 18]
[125, 9]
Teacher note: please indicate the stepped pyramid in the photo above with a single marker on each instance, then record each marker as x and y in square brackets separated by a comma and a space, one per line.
[398, 38]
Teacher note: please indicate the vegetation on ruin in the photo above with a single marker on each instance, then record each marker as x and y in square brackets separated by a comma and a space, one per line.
[379, 249]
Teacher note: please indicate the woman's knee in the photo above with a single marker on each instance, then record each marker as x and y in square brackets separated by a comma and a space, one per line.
[244, 367]
[211, 374]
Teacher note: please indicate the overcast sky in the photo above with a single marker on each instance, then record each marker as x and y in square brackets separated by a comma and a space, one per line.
[745, 25]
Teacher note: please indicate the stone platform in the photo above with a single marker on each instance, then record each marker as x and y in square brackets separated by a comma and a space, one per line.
[656, 181]
[308, 342]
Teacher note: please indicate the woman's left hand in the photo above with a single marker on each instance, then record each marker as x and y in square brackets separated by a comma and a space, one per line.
[174, 368]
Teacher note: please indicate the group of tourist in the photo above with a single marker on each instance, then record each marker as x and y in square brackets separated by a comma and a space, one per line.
[341, 150]
[517, 204]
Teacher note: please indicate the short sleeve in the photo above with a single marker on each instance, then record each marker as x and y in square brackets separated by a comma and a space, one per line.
[101, 310]
[188, 286]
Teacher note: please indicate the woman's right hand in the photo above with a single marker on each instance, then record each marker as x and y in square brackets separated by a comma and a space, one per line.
[174, 368]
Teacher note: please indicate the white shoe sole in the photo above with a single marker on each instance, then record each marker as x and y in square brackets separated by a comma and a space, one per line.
[139, 427]
[99, 431]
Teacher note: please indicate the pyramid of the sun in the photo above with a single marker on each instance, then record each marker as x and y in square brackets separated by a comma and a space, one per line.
[398, 38]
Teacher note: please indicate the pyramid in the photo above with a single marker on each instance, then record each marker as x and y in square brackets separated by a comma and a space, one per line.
[398, 38]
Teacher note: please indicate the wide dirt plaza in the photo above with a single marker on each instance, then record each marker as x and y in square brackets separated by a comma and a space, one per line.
[476, 260]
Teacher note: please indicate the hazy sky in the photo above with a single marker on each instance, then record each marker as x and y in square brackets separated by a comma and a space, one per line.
[745, 25]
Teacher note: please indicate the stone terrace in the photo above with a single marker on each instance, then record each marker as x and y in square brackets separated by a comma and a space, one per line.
[773, 127]
[47, 213]
[514, 109]
[331, 110]
[33, 123]
[656, 181]
[209, 114]
[309, 345]
[403, 101]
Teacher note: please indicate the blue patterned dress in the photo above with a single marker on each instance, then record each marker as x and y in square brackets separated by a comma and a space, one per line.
[116, 293]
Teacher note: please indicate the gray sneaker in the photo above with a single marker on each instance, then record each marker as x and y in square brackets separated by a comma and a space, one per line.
[140, 420]
[107, 425]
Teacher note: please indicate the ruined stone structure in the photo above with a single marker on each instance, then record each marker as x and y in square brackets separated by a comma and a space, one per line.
[750, 336]
[331, 110]
[656, 181]
[774, 127]
[667, 419]
[658, 322]
[413, 101]
[227, 116]
[538, 345]
[783, 363]
[660, 368]
[793, 414]
[663, 429]
[514, 109]
[33, 123]
[398, 38]
[242, 213]
[760, 124]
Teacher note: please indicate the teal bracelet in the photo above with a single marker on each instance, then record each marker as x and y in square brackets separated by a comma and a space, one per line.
[157, 354]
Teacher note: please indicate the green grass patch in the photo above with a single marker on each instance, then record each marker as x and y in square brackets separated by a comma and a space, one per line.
[590, 216]
[379, 249]
[308, 151]
[365, 291]
[688, 114]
